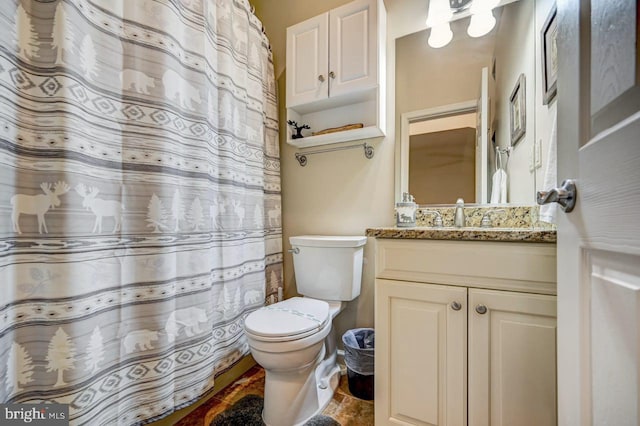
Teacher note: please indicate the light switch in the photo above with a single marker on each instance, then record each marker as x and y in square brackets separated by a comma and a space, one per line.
[538, 154]
[532, 154]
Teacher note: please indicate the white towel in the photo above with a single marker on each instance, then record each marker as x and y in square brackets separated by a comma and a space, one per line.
[548, 211]
[499, 187]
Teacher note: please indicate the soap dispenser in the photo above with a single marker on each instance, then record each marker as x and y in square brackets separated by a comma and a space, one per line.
[406, 211]
[459, 220]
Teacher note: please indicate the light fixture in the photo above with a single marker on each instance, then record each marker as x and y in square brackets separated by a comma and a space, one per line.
[438, 20]
[440, 35]
[441, 12]
[481, 24]
[482, 19]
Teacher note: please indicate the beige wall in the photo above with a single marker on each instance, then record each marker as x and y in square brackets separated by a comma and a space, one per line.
[446, 156]
[428, 78]
[339, 193]
[544, 113]
[514, 56]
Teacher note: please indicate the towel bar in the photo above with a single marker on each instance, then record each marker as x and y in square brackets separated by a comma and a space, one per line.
[302, 156]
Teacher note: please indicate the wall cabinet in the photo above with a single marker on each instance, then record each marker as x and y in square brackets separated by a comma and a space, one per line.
[333, 64]
[459, 344]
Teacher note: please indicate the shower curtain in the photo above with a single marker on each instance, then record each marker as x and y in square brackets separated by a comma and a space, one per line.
[139, 200]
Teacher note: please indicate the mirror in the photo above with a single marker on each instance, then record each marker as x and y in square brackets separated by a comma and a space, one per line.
[470, 108]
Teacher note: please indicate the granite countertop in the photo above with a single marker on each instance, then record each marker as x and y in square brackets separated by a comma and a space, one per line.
[530, 235]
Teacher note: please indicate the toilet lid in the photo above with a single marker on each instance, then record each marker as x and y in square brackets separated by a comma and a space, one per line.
[296, 317]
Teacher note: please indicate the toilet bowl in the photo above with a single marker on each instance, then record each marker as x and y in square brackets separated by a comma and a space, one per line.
[294, 340]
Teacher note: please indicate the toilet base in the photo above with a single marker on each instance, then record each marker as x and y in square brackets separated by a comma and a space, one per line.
[293, 397]
[309, 402]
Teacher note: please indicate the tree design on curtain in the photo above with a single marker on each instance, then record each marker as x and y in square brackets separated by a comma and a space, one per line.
[125, 297]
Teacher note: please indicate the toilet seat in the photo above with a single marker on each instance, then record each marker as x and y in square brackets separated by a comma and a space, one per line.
[291, 319]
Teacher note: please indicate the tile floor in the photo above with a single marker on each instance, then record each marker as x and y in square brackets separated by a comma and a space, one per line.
[344, 408]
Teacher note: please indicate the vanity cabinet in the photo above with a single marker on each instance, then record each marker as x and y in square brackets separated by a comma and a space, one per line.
[465, 333]
[333, 64]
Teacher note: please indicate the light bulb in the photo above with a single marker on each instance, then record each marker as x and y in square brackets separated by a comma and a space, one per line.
[440, 35]
[479, 6]
[481, 24]
[439, 13]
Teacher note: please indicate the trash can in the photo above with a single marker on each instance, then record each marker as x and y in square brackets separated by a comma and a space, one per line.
[359, 356]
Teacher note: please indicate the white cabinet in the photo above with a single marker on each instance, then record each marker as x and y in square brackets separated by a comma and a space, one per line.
[308, 61]
[421, 354]
[333, 64]
[462, 340]
[512, 358]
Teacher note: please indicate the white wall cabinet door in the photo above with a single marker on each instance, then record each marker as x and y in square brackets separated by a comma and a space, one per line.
[307, 61]
[512, 359]
[352, 48]
[421, 354]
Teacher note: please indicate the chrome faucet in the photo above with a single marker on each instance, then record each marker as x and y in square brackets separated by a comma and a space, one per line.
[437, 220]
[486, 218]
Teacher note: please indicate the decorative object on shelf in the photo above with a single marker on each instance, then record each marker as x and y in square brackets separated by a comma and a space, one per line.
[549, 34]
[302, 157]
[339, 129]
[406, 211]
[298, 134]
[517, 110]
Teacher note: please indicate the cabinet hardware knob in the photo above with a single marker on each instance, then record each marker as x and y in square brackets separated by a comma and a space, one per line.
[481, 309]
[332, 74]
[321, 78]
[456, 306]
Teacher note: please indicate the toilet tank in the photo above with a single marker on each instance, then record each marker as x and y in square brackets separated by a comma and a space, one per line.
[328, 267]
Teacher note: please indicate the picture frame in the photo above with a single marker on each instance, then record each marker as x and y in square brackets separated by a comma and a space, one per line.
[549, 52]
[517, 110]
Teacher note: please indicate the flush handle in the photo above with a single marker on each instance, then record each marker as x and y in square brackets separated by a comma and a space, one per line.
[456, 306]
[565, 195]
[294, 250]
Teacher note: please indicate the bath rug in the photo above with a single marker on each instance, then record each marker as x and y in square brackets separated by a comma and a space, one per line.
[248, 412]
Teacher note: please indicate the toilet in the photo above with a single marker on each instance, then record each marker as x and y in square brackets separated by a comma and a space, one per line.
[293, 340]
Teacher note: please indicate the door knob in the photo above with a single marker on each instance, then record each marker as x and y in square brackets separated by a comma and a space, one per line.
[456, 306]
[332, 74]
[481, 309]
[565, 195]
[321, 78]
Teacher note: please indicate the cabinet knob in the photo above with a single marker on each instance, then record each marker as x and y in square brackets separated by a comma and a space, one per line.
[321, 78]
[456, 306]
[481, 309]
[332, 74]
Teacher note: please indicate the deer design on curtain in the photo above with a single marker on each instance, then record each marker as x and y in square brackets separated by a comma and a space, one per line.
[125, 297]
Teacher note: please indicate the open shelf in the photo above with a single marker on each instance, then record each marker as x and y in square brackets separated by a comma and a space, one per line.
[368, 132]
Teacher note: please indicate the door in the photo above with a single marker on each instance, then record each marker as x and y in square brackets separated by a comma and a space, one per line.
[482, 140]
[599, 242]
[512, 359]
[353, 56]
[307, 61]
[421, 354]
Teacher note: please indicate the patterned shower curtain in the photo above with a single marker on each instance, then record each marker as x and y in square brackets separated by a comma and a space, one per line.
[139, 200]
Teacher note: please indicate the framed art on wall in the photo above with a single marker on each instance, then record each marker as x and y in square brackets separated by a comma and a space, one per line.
[517, 110]
[548, 36]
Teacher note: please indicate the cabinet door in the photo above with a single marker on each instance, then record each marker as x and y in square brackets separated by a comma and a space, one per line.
[353, 39]
[512, 358]
[421, 354]
[307, 61]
